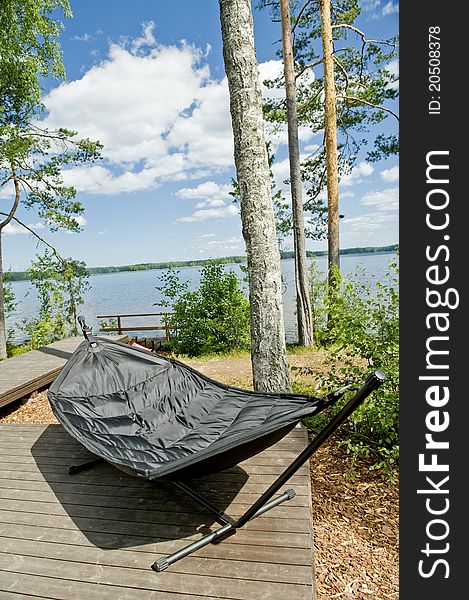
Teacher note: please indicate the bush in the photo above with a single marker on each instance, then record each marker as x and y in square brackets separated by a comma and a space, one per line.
[361, 330]
[60, 285]
[9, 305]
[213, 318]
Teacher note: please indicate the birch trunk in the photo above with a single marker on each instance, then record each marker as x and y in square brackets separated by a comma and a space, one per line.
[303, 302]
[269, 364]
[3, 335]
[330, 119]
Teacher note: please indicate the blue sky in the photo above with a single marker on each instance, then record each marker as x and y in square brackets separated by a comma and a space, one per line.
[147, 80]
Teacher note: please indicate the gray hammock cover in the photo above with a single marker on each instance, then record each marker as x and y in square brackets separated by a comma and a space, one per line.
[157, 417]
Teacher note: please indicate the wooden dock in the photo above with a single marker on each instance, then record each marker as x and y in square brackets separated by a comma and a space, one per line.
[23, 374]
[95, 534]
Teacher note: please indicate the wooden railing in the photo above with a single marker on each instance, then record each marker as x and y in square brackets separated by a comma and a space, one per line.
[120, 328]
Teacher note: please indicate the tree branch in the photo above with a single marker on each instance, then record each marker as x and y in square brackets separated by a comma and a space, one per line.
[361, 101]
[297, 20]
[10, 215]
[309, 66]
[308, 202]
[42, 240]
[362, 35]
[365, 41]
[344, 72]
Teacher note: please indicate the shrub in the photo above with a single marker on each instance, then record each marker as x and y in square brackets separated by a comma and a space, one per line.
[60, 285]
[361, 329]
[213, 318]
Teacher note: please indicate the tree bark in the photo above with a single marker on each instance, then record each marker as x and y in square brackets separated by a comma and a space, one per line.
[3, 333]
[3, 224]
[303, 302]
[268, 354]
[330, 120]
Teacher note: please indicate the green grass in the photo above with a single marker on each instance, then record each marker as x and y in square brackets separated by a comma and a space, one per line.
[13, 350]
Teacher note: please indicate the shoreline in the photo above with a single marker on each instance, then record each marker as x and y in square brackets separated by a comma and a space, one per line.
[15, 276]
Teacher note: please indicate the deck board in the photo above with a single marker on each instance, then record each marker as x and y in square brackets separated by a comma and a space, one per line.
[23, 374]
[97, 533]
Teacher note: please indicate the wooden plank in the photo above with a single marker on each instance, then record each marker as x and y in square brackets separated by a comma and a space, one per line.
[284, 452]
[158, 532]
[173, 521]
[123, 486]
[32, 467]
[75, 537]
[14, 596]
[48, 588]
[141, 560]
[168, 581]
[111, 496]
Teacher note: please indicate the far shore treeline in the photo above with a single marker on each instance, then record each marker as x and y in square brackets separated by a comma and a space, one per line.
[24, 275]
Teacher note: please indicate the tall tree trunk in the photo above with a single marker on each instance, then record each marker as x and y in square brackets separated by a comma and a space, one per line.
[303, 302]
[330, 117]
[269, 364]
[3, 333]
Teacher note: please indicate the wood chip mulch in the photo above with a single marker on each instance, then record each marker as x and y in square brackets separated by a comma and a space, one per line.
[35, 409]
[356, 520]
[355, 517]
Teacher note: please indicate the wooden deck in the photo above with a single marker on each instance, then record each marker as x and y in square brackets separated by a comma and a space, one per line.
[21, 375]
[94, 535]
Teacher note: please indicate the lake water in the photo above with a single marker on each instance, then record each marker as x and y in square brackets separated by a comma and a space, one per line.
[134, 291]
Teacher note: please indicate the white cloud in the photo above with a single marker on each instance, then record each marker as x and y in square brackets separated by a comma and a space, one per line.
[16, 229]
[390, 8]
[129, 101]
[208, 244]
[393, 69]
[204, 134]
[371, 229]
[281, 171]
[383, 200]
[147, 39]
[234, 241]
[137, 102]
[277, 134]
[271, 70]
[377, 10]
[363, 169]
[159, 113]
[86, 37]
[205, 191]
[390, 175]
[210, 194]
[80, 219]
[100, 180]
[211, 213]
[214, 202]
[371, 5]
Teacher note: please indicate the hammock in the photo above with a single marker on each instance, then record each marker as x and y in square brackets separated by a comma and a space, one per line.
[155, 417]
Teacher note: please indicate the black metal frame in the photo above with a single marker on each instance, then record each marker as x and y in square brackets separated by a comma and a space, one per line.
[266, 501]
